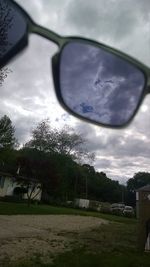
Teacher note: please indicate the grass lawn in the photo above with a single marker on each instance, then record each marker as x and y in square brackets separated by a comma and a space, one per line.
[112, 245]
[7, 208]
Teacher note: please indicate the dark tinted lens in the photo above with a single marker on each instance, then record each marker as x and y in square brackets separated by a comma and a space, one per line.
[99, 85]
[12, 29]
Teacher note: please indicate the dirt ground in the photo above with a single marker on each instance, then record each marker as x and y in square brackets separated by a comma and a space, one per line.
[29, 236]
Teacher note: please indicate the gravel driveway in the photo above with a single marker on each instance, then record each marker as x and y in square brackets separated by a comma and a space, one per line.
[26, 236]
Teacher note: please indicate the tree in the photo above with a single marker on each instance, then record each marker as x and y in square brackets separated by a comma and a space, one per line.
[7, 131]
[64, 141]
[88, 171]
[43, 138]
[39, 166]
[31, 187]
[3, 74]
[68, 142]
[8, 142]
[8, 161]
[139, 179]
[5, 25]
[72, 144]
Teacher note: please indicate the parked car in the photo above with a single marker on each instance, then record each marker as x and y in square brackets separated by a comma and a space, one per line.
[117, 208]
[128, 211]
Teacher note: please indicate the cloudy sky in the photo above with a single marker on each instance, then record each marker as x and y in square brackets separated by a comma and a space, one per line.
[27, 95]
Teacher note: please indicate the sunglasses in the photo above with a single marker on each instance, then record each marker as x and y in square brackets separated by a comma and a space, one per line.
[92, 81]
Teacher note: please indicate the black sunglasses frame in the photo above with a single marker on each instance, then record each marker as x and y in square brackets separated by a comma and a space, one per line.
[61, 42]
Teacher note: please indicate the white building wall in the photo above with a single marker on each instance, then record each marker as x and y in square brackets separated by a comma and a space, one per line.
[82, 203]
[8, 189]
[36, 191]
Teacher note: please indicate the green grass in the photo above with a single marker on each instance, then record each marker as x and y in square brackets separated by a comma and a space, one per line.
[7, 208]
[114, 259]
[82, 259]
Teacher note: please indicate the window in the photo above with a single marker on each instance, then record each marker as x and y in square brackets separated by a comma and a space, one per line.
[2, 180]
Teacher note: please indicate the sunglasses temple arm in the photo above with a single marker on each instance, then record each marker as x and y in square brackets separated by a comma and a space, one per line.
[48, 34]
[56, 38]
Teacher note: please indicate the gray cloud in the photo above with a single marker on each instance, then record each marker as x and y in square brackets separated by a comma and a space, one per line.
[103, 17]
[119, 153]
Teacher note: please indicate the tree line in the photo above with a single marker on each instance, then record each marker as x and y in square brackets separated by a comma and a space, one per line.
[60, 161]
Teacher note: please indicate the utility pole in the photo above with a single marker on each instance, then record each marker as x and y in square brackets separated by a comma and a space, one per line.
[86, 188]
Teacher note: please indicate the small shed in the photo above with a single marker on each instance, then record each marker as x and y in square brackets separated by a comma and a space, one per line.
[143, 216]
[82, 203]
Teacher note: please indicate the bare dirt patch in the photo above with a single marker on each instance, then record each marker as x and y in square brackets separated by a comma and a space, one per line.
[26, 236]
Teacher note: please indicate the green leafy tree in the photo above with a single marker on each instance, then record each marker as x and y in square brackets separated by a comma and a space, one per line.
[31, 187]
[100, 187]
[8, 142]
[40, 166]
[63, 147]
[64, 141]
[139, 179]
[89, 172]
[8, 161]
[69, 143]
[43, 138]
[7, 134]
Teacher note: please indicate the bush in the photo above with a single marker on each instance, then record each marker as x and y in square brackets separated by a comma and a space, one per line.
[16, 199]
[117, 212]
[105, 209]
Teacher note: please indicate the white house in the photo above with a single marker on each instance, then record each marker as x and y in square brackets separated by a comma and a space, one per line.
[9, 186]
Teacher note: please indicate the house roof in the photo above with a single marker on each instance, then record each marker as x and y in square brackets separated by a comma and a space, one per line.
[145, 188]
[14, 177]
[5, 174]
